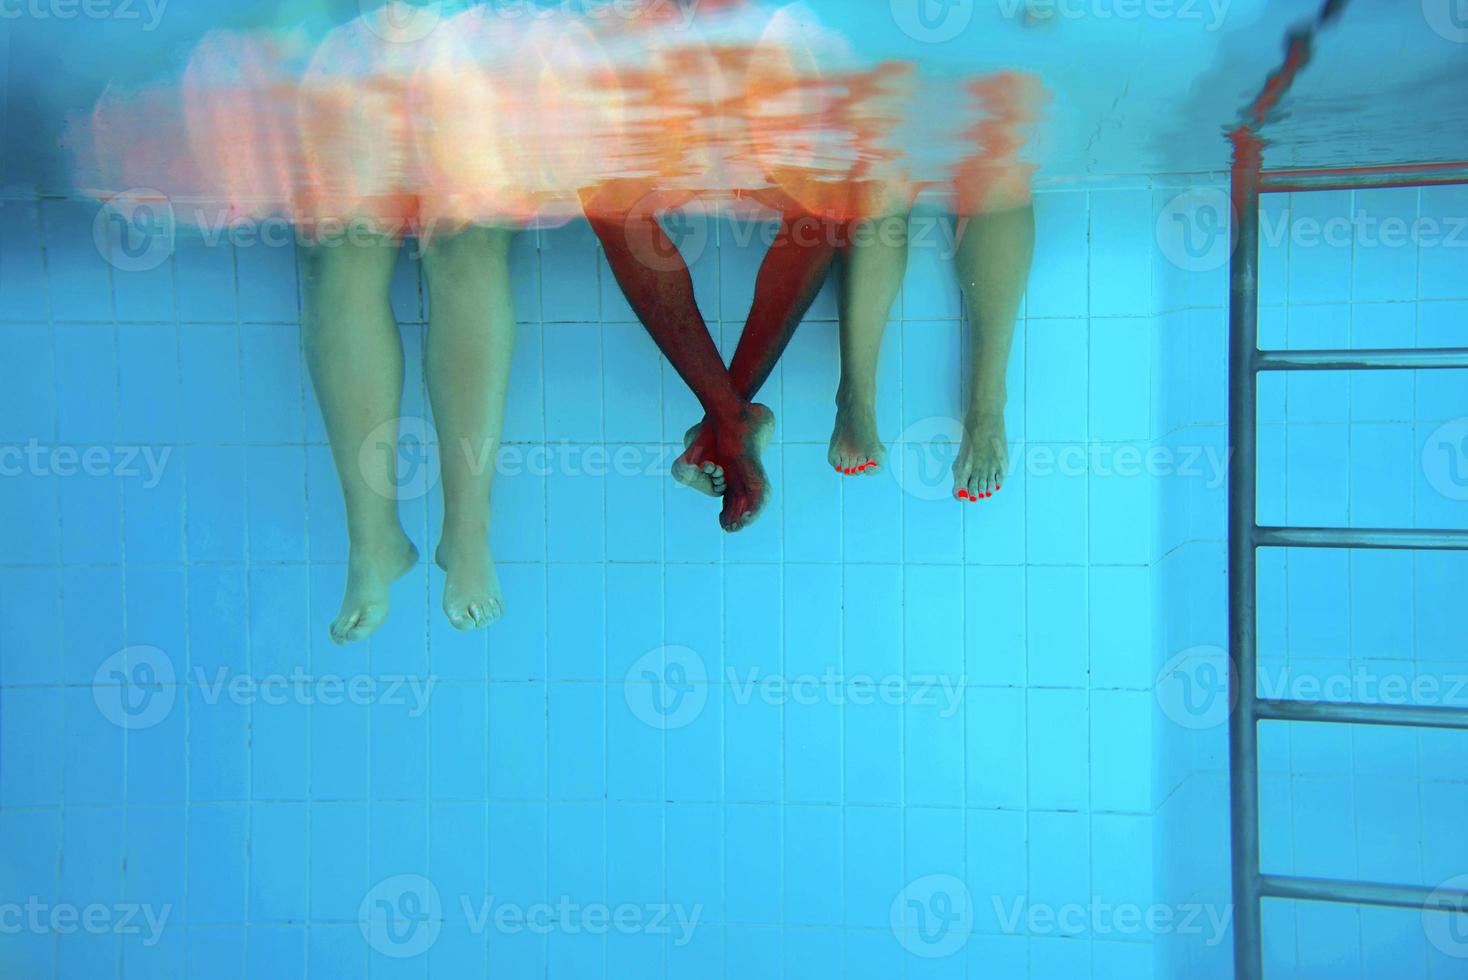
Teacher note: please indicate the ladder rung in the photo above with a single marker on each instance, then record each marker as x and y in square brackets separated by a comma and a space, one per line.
[1348, 713]
[1361, 360]
[1364, 893]
[1353, 537]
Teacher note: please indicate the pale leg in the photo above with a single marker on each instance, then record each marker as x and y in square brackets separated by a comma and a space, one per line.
[994, 256]
[471, 335]
[356, 360]
[871, 277]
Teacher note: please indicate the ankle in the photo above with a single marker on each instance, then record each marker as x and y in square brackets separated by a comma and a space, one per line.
[460, 528]
[986, 403]
[377, 538]
[855, 398]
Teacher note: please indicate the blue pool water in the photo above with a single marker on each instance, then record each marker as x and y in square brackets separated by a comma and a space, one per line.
[936, 741]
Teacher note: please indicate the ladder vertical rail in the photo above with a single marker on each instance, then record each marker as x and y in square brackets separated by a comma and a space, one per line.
[1243, 382]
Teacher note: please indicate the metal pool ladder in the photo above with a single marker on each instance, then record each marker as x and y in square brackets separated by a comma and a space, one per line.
[1245, 536]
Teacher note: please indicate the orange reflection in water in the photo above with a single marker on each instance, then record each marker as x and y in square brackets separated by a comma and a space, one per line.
[489, 119]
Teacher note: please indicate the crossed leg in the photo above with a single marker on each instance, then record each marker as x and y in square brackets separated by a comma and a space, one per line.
[471, 335]
[661, 293]
[355, 358]
[789, 279]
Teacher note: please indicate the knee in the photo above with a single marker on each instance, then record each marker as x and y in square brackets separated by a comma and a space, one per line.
[473, 251]
[339, 272]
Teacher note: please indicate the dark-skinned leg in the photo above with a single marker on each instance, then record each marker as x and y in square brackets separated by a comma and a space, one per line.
[661, 293]
[789, 279]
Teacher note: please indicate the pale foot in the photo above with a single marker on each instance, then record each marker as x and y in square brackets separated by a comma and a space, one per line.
[471, 589]
[739, 446]
[694, 468]
[983, 458]
[371, 569]
[855, 446]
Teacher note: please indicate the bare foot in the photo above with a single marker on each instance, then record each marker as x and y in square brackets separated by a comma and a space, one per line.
[855, 446]
[471, 589]
[983, 458]
[371, 569]
[738, 447]
[696, 468]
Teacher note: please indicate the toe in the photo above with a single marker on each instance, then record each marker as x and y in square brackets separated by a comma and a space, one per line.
[342, 626]
[369, 617]
[961, 476]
